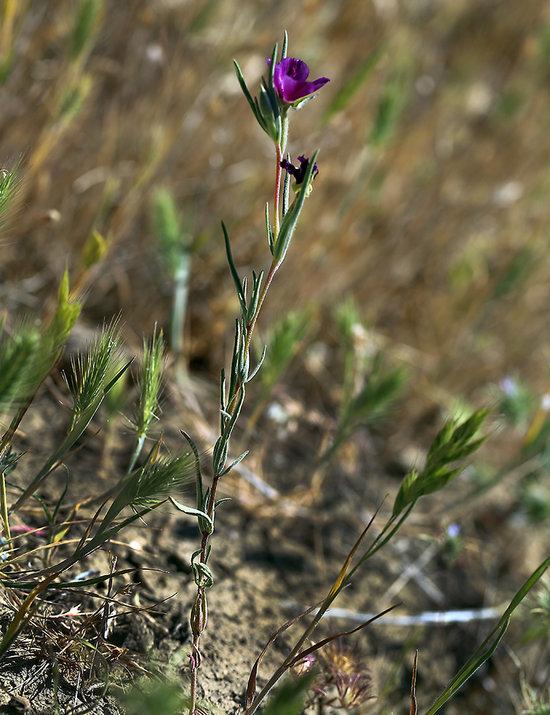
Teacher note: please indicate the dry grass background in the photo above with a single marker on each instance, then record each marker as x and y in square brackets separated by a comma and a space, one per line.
[420, 225]
[431, 207]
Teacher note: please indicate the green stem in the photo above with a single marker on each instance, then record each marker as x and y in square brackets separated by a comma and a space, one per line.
[233, 404]
[276, 202]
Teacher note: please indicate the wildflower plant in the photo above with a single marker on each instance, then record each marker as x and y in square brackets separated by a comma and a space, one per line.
[286, 88]
[344, 681]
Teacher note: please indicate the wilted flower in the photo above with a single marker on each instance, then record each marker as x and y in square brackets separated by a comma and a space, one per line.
[299, 172]
[353, 689]
[290, 80]
[344, 681]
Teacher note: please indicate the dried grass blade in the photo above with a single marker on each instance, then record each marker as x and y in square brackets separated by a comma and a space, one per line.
[251, 687]
[343, 571]
[321, 644]
[414, 706]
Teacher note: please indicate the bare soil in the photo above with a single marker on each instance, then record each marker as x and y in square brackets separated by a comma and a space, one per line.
[272, 558]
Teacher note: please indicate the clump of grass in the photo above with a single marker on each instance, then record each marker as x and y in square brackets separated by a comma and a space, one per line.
[28, 355]
[369, 385]
[150, 385]
[176, 247]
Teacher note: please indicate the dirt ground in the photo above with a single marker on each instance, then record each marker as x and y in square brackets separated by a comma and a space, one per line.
[272, 558]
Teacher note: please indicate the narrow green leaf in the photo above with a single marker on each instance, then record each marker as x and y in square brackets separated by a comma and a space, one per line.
[285, 195]
[233, 464]
[253, 105]
[86, 21]
[191, 511]
[254, 295]
[284, 48]
[258, 366]
[272, 64]
[198, 473]
[268, 230]
[487, 648]
[232, 268]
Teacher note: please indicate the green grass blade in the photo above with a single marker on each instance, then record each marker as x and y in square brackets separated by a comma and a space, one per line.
[85, 26]
[390, 106]
[487, 648]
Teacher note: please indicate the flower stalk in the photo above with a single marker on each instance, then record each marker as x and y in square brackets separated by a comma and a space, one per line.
[285, 88]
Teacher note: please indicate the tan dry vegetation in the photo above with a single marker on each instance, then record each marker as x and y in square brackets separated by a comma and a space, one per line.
[434, 215]
[420, 228]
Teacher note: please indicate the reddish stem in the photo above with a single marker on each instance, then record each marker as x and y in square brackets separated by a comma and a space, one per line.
[230, 409]
[277, 189]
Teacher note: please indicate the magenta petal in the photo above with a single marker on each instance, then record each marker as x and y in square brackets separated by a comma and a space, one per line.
[290, 74]
[317, 84]
[290, 77]
[294, 69]
[288, 89]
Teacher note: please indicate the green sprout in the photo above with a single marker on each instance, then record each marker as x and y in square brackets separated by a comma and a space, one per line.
[150, 383]
[94, 374]
[176, 248]
[370, 386]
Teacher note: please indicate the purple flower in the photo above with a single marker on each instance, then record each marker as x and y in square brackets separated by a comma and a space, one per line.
[290, 80]
[299, 172]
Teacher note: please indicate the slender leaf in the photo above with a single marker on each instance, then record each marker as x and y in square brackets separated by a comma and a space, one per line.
[489, 645]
